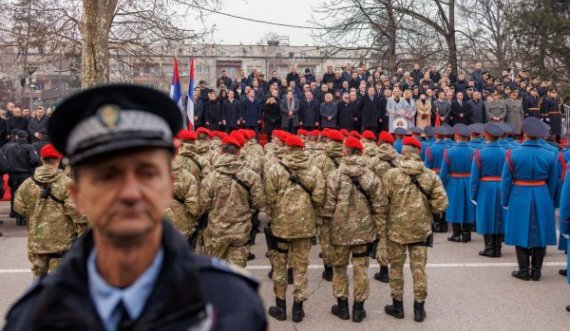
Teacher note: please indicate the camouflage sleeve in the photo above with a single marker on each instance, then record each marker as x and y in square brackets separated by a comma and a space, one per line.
[318, 193]
[438, 199]
[271, 188]
[206, 194]
[192, 198]
[331, 194]
[379, 199]
[382, 214]
[257, 194]
[22, 197]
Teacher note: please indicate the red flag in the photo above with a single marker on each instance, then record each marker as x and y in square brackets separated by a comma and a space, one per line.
[437, 120]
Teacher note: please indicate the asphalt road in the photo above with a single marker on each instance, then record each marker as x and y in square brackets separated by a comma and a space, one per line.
[466, 291]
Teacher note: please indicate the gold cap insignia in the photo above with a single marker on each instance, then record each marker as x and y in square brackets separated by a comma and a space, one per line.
[109, 116]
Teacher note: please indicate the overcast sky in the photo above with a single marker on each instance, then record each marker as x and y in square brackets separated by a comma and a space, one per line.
[233, 31]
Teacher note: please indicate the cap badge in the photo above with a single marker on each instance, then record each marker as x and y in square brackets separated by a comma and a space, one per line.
[109, 116]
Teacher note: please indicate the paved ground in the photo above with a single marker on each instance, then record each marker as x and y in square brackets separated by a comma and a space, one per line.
[466, 292]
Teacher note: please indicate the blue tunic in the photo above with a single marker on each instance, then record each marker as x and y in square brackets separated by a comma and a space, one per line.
[530, 217]
[434, 155]
[476, 143]
[425, 144]
[398, 144]
[485, 183]
[455, 174]
[565, 208]
[563, 158]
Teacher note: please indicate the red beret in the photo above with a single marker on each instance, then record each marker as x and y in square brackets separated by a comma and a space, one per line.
[386, 137]
[335, 135]
[203, 130]
[354, 143]
[314, 133]
[229, 140]
[344, 132]
[302, 132]
[368, 135]
[355, 134]
[294, 141]
[213, 134]
[325, 130]
[411, 141]
[250, 134]
[186, 135]
[49, 152]
[222, 134]
[238, 137]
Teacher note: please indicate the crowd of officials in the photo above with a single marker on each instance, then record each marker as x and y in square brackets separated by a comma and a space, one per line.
[360, 98]
[370, 163]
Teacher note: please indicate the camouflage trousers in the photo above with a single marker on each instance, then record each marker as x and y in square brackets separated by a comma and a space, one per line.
[418, 260]
[360, 262]
[295, 253]
[382, 251]
[233, 251]
[43, 263]
[324, 235]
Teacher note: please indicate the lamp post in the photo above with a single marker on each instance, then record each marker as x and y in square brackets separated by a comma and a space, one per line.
[30, 71]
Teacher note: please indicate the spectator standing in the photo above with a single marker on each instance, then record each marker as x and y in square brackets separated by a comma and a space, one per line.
[395, 110]
[37, 124]
[16, 122]
[225, 79]
[370, 111]
[417, 74]
[423, 106]
[476, 108]
[293, 76]
[442, 108]
[495, 108]
[309, 112]
[213, 112]
[409, 109]
[515, 111]
[251, 112]
[328, 112]
[290, 112]
[460, 110]
[232, 112]
[347, 113]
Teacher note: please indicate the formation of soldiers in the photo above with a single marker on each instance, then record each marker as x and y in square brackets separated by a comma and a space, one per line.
[361, 195]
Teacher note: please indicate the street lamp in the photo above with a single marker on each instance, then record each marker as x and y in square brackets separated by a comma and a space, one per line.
[30, 71]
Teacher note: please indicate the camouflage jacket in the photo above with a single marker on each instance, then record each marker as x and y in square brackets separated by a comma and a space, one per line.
[252, 157]
[355, 218]
[230, 205]
[370, 148]
[386, 158]
[188, 159]
[410, 212]
[184, 210]
[274, 157]
[53, 219]
[293, 211]
[329, 161]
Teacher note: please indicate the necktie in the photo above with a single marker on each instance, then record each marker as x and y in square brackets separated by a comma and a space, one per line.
[125, 322]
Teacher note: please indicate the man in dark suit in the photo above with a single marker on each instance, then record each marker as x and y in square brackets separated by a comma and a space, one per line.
[460, 110]
[370, 111]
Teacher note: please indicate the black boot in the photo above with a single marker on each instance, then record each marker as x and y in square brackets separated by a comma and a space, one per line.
[358, 312]
[537, 259]
[498, 244]
[396, 309]
[419, 312]
[340, 310]
[523, 261]
[456, 235]
[290, 276]
[328, 273]
[313, 241]
[563, 272]
[384, 274]
[466, 236]
[279, 311]
[250, 256]
[568, 309]
[298, 312]
[444, 227]
[488, 251]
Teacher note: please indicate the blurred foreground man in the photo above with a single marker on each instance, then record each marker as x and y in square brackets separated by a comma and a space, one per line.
[133, 271]
[414, 193]
[53, 220]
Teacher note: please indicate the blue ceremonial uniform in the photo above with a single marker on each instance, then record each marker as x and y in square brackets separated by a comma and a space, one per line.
[476, 143]
[563, 159]
[425, 144]
[485, 183]
[455, 173]
[528, 185]
[398, 144]
[565, 209]
[434, 155]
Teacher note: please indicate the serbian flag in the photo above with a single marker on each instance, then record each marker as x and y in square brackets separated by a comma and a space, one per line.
[175, 92]
[190, 103]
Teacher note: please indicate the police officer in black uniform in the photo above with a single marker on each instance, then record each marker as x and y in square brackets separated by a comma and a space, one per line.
[132, 271]
[22, 161]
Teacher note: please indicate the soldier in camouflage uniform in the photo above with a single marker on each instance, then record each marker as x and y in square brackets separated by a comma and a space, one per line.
[252, 153]
[355, 203]
[327, 163]
[184, 210]
[53, 220]
[311, 141]
[230, 194]
[414, 193]
[295, 192]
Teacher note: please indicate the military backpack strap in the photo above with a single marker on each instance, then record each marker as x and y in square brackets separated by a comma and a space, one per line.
[46, 191]
[429, 240]
[335, 162]
[359, 187]
[196, 162]
[294, 179]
